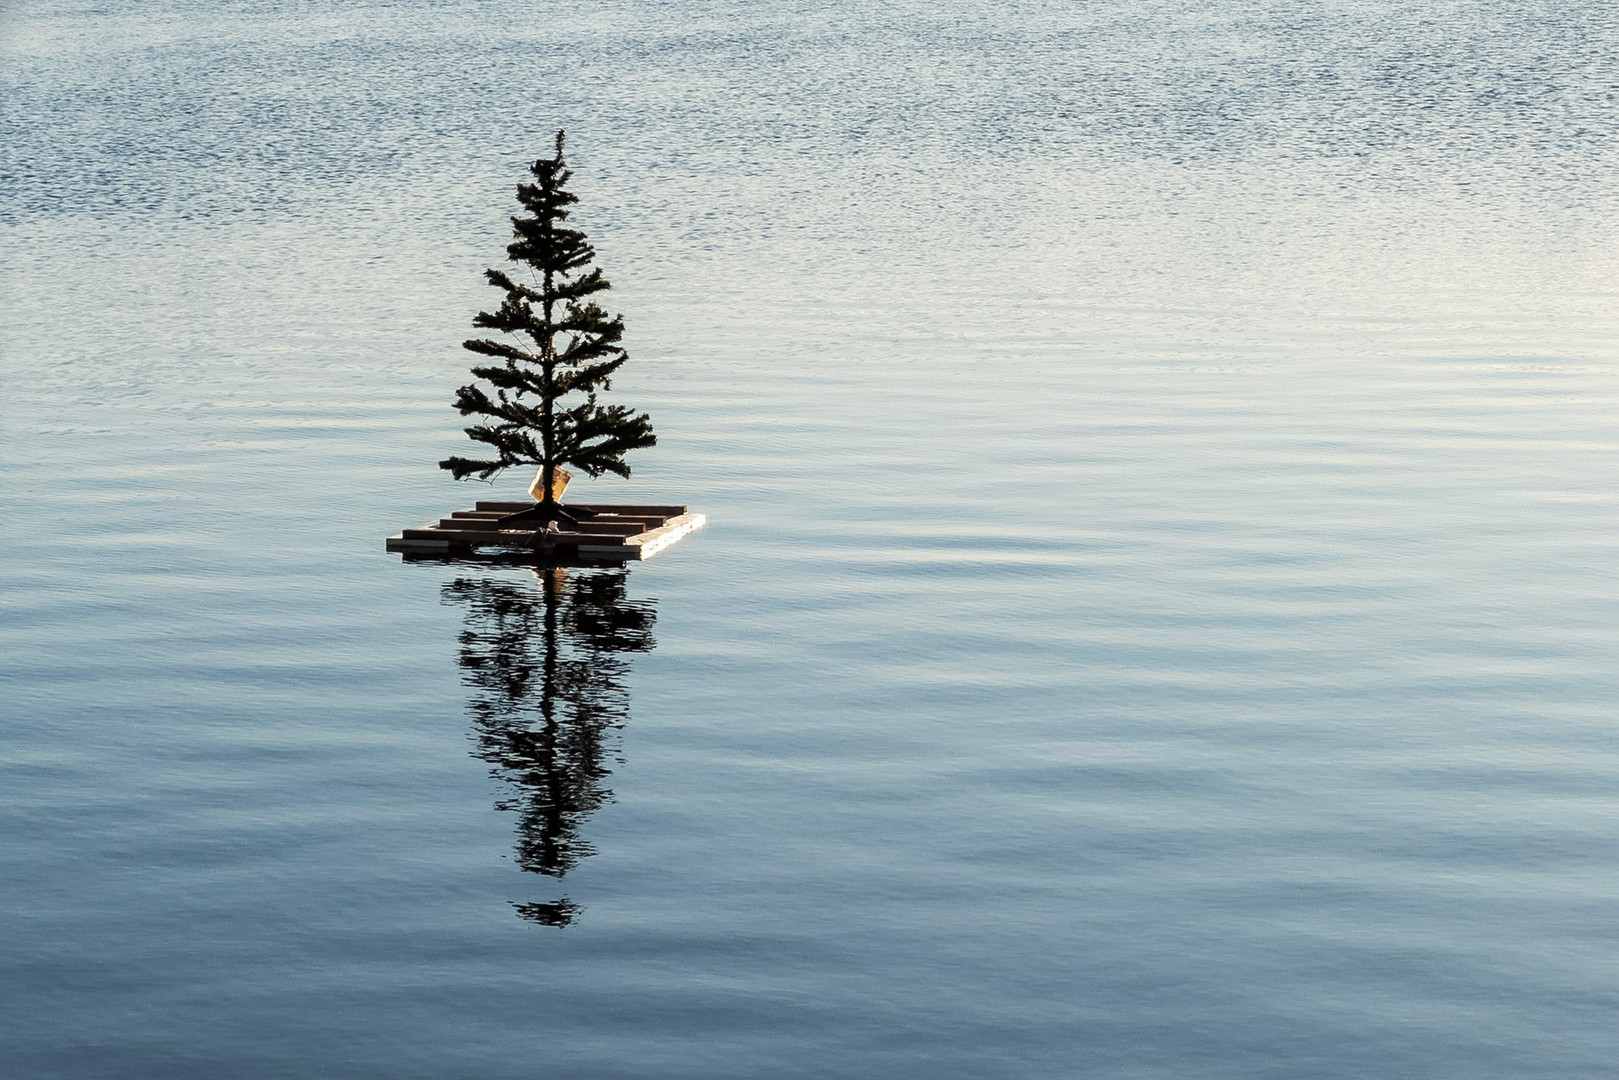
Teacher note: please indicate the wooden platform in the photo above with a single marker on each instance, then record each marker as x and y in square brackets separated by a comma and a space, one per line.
[614, 532]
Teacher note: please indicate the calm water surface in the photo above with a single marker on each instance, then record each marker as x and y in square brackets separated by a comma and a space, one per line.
[1158, 616]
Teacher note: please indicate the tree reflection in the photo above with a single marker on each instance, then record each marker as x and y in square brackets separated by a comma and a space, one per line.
[546, 665]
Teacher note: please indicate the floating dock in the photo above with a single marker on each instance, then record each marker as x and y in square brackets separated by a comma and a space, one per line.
[610, 532]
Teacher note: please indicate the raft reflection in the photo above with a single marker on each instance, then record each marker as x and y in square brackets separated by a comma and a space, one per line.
[545, 661]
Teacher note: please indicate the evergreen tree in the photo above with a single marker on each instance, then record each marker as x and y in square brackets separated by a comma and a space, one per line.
[559, 343]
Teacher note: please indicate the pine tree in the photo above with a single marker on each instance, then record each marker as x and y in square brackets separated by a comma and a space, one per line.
[559, 343]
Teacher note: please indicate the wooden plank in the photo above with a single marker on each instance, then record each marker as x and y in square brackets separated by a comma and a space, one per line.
[648, 509]
[626, 526]
[442, 536]
[465, 536]
[649, 543]
[630, 509]
[416, 547]
[618, 526]
[474, 524]
[609, 528]
[506, 537]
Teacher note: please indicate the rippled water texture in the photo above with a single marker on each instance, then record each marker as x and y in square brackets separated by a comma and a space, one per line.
[1158, 612]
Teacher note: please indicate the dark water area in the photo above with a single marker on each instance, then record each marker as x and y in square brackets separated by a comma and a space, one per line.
[549, 693]
[1158, 614]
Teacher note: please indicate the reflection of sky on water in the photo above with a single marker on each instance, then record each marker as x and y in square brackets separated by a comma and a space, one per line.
[1159, 611]
[543, 661]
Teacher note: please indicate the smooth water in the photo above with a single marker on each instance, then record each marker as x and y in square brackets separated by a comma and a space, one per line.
[1158, 616]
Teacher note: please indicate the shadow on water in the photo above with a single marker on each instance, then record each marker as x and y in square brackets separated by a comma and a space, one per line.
[546, 662]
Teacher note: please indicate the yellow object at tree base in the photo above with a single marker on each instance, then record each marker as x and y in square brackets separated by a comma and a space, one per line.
[559, 484]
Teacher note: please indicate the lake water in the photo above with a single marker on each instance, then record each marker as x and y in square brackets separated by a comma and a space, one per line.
[1158, 616]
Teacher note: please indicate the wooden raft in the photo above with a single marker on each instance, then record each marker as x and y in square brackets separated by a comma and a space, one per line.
[611, 531]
